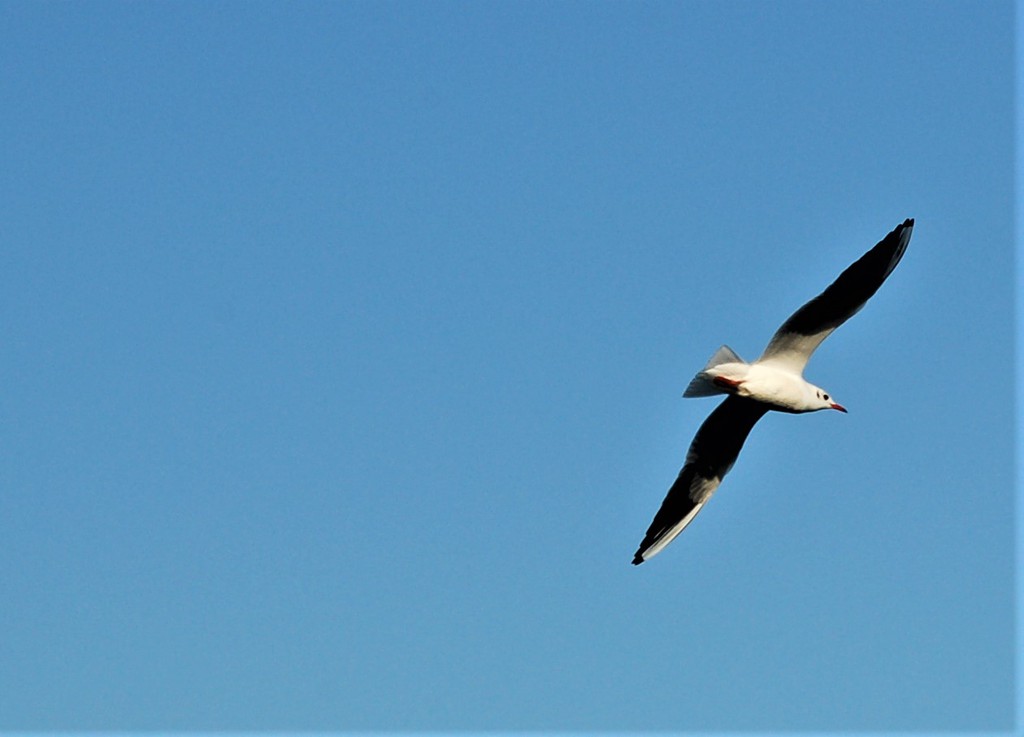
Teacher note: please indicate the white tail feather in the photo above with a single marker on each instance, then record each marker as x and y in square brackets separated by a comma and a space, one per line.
[702, 385]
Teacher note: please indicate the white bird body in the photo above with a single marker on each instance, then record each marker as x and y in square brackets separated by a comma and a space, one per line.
[772, 382]
[778, 387]
[764, 380]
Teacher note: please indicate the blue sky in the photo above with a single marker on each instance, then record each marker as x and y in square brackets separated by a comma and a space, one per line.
[344, 345]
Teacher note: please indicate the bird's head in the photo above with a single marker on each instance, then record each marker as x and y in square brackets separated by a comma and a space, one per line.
[823, 400]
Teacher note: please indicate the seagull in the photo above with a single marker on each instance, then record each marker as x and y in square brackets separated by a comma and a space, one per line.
[772, 382]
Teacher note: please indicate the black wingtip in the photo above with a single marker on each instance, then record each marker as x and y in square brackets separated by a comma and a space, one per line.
[638, 559]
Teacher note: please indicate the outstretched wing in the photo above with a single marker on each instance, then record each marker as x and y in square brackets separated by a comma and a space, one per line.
[713, 451]
[795, 341]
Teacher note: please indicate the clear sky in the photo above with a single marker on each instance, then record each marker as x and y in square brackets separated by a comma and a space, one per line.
[343, 346]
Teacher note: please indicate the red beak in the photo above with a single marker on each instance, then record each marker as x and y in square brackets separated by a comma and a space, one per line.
[839, 407]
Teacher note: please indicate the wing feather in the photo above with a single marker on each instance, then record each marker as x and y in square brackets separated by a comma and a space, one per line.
[712, 453]
[794, 342]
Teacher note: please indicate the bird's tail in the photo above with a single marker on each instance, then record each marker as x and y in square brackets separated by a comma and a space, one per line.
[703, 384]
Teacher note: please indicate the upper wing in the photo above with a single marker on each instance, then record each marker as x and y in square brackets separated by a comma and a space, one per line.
[711, 455]
[795, 341]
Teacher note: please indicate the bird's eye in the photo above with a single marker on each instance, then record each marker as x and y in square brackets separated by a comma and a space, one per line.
[826, 397]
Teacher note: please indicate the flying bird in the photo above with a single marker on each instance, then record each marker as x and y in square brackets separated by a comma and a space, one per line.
[772, 382]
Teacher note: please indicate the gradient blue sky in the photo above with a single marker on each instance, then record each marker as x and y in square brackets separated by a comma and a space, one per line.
[343, 346]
